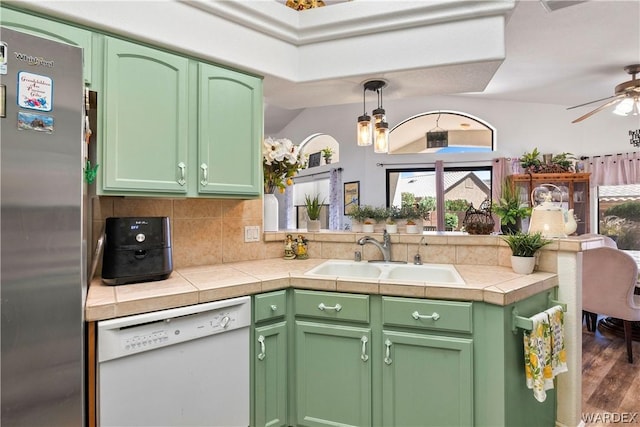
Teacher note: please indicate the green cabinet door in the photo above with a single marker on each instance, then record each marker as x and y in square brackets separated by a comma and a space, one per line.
[52, 30]
[333, 375]
[270, 375]
[427, 380]
[145, 119]
[229, 132]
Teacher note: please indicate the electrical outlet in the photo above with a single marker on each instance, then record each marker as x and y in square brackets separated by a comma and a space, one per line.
[252, 233]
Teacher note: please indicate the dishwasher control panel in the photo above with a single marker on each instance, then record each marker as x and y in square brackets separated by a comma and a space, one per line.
[134, 334]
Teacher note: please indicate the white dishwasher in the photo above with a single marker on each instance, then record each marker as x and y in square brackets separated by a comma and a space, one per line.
[186, 366]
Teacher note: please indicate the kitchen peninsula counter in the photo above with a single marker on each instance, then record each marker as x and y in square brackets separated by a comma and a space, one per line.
[194, 285]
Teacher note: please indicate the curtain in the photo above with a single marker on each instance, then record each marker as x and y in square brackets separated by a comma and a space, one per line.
[336, 199]
[289, 209]
[502, 168]
[615, 169]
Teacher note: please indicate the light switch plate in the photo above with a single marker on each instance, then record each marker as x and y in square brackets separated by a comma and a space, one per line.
[252, 233]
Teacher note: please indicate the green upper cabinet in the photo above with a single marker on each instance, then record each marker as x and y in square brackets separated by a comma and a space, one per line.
[146, 128]
[229, 132]
[52, 30]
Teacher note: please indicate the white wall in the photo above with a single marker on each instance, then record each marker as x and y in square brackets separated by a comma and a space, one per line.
[520, 128]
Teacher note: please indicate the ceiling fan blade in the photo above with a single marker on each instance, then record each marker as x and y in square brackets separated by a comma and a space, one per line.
[591, 102]
[617, 99]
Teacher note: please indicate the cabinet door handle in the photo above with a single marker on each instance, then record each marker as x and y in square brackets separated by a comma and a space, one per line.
[364, 355]
[434, 316]
[182, 167]
[274, 307]
[263, 351]
[323, 307]
[387, 357]
[205, 175]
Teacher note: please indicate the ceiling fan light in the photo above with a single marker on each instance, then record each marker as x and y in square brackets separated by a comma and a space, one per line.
[636, 107]
[364, 130]
[624, 107]
[381, 137]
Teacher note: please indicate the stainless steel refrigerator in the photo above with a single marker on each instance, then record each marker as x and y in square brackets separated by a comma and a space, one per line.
[43, 277]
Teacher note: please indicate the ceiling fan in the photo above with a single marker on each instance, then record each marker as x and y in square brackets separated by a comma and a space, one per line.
[627, 94]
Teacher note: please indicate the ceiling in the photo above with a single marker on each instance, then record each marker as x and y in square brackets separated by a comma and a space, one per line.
[568, 56]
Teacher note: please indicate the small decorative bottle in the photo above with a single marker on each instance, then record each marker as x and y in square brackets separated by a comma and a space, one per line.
[288, 248]
[301, 247]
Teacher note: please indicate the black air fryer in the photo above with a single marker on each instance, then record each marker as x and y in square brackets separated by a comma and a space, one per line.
[136, 249]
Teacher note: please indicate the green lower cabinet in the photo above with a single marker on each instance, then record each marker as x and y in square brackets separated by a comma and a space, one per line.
[427, 380]
[270, 375]
[333, 375]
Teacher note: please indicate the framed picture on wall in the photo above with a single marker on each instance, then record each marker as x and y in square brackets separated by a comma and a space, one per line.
[351, 196]
[314, 160]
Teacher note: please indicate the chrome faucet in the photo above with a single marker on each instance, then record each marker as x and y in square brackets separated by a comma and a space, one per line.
[384, 247]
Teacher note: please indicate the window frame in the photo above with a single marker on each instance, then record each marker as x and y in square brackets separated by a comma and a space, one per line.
[440, 208]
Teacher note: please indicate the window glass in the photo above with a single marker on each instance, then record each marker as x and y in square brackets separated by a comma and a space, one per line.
[462, 187]
[441, 132]
[619, 214]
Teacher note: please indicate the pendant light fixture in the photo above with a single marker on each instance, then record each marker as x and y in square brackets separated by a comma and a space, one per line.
[380, 135]
[364, 123]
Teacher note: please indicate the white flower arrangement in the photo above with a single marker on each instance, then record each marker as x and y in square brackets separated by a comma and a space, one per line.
[280, 162]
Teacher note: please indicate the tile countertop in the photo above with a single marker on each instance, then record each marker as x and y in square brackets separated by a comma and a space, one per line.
[194, 285]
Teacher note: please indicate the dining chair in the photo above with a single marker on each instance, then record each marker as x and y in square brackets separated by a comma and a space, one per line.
[591, 319]
[609, 278]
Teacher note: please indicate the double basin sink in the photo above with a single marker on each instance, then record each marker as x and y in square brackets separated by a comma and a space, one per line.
[424, 273]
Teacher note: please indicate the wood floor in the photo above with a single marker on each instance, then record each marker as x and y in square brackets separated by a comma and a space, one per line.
[610, 384]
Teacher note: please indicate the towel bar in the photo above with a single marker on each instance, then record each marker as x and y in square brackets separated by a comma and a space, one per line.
[525, 322]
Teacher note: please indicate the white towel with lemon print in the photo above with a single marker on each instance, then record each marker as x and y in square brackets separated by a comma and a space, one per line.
[544, 352]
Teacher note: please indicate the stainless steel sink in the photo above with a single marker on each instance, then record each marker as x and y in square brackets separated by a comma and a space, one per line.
[425, 273]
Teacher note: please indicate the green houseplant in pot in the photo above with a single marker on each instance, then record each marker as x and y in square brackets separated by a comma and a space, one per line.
[523, 250]
[327, 153]
[509, 208]
[313, 205]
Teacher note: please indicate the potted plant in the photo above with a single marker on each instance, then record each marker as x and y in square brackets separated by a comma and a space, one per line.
[412, 214]
[530, 162]
[562, 162]
[313, 206]
[327, 153]
[357, 215]
[391, 222]
[523, 250]
[509, 208]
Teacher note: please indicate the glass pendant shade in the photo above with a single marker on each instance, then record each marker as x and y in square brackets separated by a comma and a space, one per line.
[364, 131]
[379, 115]
[624, 107]
[381, 137]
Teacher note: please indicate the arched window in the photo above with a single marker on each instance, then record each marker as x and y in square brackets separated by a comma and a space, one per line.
[441, 132]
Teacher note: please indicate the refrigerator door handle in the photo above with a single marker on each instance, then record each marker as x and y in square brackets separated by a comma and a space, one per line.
[3, 101]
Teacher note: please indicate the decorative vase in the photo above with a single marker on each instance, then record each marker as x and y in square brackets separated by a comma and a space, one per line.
[313, 225]
[523, 264]
[356, 226]
[270, 209]
[412, 228]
